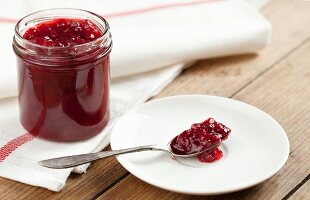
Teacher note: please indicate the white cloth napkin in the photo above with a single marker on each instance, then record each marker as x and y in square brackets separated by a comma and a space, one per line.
[150, 39]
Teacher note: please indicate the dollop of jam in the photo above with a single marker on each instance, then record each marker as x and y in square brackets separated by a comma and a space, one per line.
[205, 136]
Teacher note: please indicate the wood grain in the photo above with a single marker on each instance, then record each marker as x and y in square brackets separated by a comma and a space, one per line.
[302, 193]
[276, 81]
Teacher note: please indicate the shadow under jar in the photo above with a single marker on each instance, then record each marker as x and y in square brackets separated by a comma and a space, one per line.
[63, 73]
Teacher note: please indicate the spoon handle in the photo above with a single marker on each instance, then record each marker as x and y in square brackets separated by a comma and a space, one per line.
[73, 161]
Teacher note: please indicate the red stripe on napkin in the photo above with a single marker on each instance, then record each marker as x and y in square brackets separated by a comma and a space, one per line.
[133, 12]
[154, 8]
[11, 146]
[7, 20]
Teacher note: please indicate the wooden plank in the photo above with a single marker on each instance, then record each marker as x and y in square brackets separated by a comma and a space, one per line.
[218, 76]
[302, 193]
[135, 190]
[284, 93]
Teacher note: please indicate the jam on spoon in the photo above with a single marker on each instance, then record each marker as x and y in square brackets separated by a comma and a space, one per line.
[202, 140]
[199, 138]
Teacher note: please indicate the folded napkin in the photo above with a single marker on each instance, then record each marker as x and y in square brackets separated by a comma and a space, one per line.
[152, 41]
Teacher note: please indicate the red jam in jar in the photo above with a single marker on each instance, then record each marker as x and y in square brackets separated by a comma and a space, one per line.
[63, 73]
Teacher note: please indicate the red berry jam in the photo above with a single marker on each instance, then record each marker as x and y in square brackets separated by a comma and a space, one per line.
[63, 32]
[63, 74]
[210, 156]
[206, 135]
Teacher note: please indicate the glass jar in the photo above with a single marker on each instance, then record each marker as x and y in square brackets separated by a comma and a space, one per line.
[63, 91]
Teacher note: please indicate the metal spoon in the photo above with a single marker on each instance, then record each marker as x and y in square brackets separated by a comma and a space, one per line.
[73, 161]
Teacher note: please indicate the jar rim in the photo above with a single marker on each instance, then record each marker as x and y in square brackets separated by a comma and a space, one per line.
[105, 32]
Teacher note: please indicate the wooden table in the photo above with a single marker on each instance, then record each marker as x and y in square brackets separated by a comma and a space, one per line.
[276, 81]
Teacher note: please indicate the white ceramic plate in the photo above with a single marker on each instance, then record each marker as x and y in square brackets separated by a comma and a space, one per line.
[256, 149]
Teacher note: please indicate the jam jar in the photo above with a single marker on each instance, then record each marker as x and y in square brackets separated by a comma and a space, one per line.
[63, 73]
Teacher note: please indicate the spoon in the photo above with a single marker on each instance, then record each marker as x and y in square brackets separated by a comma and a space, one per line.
[73, 161]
